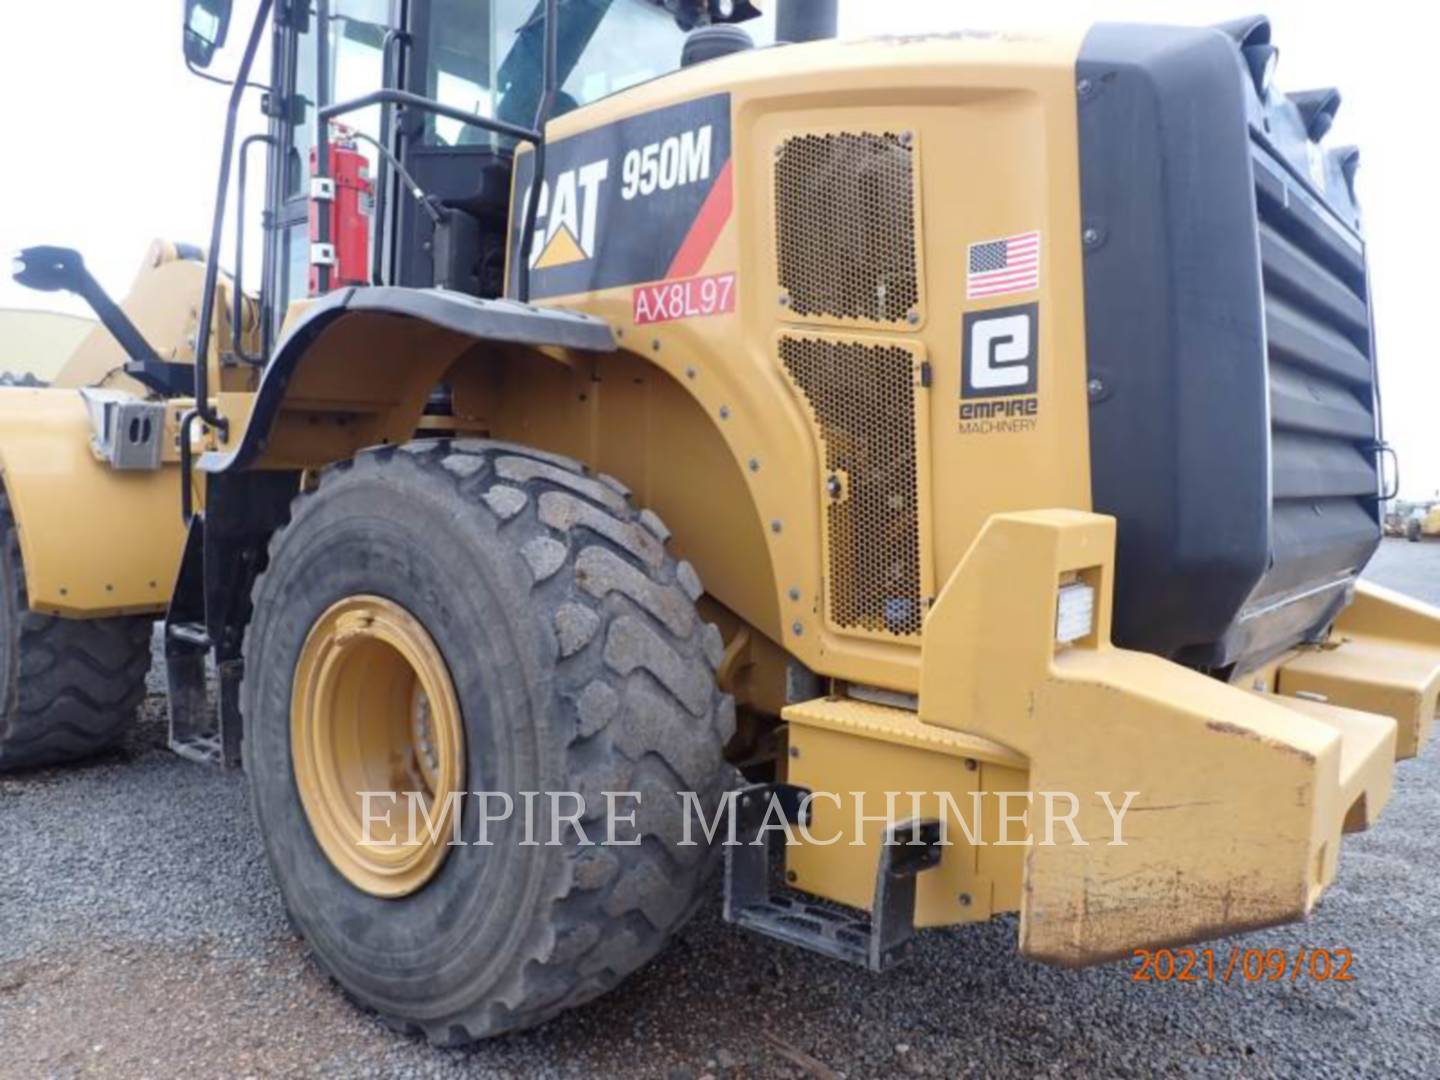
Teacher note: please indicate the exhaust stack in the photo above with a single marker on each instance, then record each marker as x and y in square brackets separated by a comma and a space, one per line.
[806, 20]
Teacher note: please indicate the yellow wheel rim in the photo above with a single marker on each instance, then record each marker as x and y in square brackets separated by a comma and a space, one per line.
[373, 710]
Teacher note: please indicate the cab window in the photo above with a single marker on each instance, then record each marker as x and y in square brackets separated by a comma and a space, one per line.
[355, 46]
[486, 57]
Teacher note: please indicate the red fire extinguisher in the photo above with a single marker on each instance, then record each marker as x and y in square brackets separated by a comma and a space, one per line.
[348, 196]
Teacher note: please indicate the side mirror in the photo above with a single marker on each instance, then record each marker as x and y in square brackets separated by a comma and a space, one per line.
[49, 269]
[206, 24]
[692, 13]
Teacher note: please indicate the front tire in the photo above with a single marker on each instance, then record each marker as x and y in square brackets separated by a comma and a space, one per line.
[578, 662]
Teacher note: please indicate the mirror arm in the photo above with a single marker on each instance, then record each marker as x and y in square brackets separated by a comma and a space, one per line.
[190, 66]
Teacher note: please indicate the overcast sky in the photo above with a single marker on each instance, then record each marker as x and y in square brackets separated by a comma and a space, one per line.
[111, 143]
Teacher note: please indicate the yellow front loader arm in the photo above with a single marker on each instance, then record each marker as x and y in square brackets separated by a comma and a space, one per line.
[98, 540]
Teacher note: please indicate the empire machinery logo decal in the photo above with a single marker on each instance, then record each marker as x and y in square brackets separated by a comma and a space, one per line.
[640, 202]
[999, 391]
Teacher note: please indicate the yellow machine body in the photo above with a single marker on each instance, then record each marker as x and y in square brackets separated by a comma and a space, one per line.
[701, 418]
[98, 541]
[721, 424]
[95, 541]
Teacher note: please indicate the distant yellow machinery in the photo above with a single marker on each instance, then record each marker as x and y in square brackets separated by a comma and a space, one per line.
[1013, 397]
[1423, 523]
[37, 343]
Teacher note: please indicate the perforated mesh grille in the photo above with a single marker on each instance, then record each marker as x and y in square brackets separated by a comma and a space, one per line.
[845, 226]
[863, 397]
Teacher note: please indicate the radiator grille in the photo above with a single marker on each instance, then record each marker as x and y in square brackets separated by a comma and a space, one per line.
[845, 227]
[1323, 428]
[863, 401]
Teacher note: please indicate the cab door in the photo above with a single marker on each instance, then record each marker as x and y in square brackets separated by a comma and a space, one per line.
[339, 50]
[455, 49]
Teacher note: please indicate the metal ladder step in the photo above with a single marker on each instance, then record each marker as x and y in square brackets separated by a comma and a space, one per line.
[202, 729]
[189, 634]
[757, 899]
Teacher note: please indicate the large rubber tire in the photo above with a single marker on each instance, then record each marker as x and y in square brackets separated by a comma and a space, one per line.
[69, 687]
[579, 664]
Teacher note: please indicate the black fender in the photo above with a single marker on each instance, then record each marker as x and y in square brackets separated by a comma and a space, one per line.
[507, 322]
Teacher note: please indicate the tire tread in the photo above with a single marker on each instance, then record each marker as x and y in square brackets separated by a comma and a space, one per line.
[71, 686]
[616, 906]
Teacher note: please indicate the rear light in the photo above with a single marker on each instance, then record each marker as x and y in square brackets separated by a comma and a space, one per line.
[1074, 612]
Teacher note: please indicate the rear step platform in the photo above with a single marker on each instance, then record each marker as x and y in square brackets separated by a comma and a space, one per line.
[757, 900]
[1367, 749]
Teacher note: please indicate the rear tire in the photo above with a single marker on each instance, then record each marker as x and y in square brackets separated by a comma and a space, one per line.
[69, 687]
[579, 664]
[27, 379]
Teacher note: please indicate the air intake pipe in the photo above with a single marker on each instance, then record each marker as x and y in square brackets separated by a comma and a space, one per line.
[806, 20]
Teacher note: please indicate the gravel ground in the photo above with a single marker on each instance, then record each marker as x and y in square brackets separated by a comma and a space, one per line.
[140, 935]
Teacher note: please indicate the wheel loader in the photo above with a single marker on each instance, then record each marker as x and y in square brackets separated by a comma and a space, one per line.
[1422, 522]
[792, 442]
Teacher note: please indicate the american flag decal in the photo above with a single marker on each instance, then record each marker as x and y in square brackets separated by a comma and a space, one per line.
[1009, 265]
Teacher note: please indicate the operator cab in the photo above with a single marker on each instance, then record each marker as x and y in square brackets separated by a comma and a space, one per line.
[439, 189]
